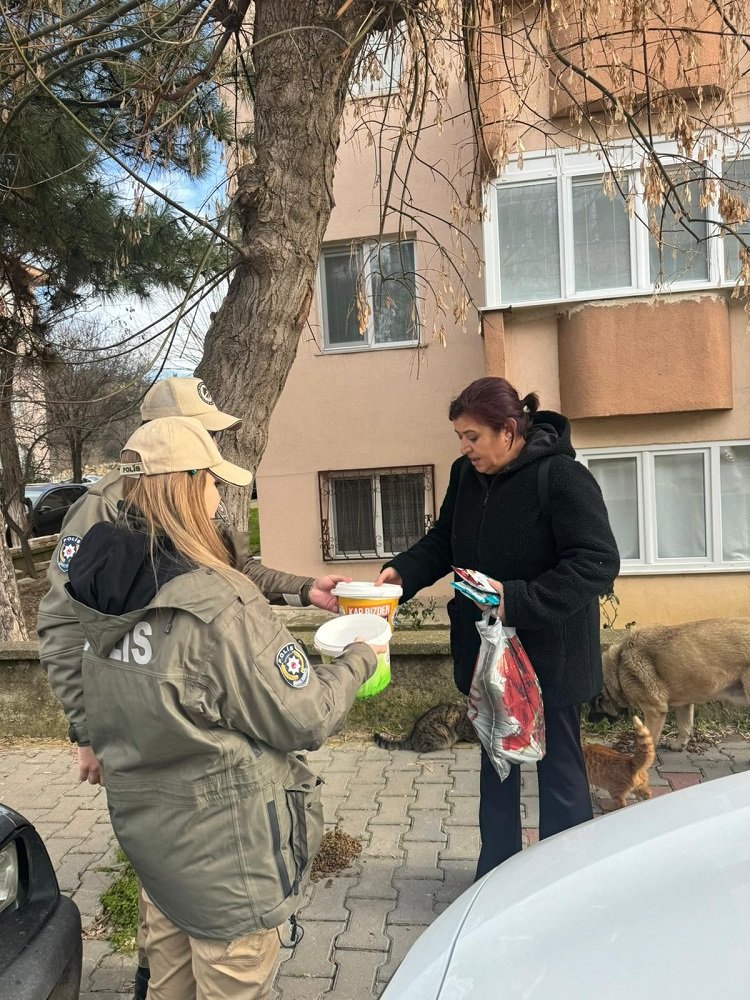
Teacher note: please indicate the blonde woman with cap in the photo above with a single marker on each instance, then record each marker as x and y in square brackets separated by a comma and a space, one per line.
[197, 697]
[60, 636]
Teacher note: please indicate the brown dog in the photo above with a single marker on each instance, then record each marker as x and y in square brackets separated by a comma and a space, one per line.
[659, 667]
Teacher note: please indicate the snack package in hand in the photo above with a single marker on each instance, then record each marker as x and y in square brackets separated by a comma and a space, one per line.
[476, 587]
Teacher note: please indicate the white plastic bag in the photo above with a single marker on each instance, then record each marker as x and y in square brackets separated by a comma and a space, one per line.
[505, 701]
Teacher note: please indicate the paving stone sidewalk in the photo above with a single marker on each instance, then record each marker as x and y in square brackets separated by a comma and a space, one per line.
[416, 816]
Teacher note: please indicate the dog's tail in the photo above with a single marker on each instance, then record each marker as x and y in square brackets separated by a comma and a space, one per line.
[386, 744]
[644, 753]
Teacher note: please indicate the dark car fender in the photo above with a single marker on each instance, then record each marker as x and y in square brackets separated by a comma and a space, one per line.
[50, 966]
[40, 934]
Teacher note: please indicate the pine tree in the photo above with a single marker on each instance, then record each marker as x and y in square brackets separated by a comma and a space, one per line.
[72, 226]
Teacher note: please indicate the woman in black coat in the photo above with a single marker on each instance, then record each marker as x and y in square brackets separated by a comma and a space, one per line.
[522, 511]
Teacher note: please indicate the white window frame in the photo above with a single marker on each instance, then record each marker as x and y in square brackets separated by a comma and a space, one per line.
[331, 551]
[369, 249]
[388, 47]
[649, 563]
[563, 166]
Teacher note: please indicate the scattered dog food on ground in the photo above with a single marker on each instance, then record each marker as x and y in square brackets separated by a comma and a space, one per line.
[337, 851]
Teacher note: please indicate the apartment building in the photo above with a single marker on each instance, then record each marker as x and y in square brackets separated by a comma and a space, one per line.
[641, 343]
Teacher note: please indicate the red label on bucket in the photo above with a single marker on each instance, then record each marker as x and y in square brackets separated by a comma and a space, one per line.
[381, 609]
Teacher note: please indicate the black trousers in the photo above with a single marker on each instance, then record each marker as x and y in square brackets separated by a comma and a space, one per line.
[564, 797]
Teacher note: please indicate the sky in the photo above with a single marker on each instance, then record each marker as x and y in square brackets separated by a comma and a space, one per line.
[129, 314]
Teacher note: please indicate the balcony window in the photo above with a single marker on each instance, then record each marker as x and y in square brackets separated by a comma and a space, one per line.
[682, 254]
[601, 237]
[529, 240]
[736, 181]
[573, 226]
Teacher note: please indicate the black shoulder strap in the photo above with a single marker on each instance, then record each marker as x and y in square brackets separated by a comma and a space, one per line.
[543, 485]
[543, 481]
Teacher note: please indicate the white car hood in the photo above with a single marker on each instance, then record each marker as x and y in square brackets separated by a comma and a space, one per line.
[651, 902]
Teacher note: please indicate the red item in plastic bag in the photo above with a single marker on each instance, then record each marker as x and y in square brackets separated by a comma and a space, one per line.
[505, 701]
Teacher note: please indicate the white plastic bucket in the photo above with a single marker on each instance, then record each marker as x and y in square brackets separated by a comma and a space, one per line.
[334, 635]
[366, 599]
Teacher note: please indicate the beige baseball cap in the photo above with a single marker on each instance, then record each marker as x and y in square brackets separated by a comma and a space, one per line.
[179, 444]
[185, 397]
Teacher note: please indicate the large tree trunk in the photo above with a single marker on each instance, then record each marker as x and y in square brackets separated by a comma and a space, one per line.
[19, 535]
[284, 202]
[12, 626]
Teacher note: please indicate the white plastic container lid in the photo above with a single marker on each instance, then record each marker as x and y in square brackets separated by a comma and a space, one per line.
[358, 589]
[331, 637]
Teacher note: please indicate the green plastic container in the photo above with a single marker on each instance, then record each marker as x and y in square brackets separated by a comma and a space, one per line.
[331, 639]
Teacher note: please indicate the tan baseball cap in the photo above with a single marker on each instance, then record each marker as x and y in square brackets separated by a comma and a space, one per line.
[185, 397]
[179, 444]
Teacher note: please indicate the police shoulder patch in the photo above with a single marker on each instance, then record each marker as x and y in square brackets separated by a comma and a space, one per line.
[293, 665]
[66, 550]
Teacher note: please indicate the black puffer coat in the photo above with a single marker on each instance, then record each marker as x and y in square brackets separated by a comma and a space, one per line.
[552, 549]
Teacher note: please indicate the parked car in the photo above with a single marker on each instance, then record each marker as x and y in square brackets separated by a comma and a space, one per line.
[49, 503]
[651, 901]
[91, 478]
[40, 930]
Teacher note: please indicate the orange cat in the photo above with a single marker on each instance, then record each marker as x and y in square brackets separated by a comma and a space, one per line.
[620, 773]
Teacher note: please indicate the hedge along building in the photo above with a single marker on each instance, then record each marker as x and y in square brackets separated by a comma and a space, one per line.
[656, 387]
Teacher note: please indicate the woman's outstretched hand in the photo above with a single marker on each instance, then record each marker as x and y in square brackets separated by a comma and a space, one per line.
[389, 575]
[320, 592]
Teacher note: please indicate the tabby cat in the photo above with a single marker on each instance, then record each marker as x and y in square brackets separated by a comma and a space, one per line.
[620, 773]
[438, 729]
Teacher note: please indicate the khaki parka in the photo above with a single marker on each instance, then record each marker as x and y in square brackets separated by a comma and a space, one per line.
[60, 636]
[196, 706]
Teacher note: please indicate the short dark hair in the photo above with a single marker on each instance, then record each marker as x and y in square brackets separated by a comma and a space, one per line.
[495, 402]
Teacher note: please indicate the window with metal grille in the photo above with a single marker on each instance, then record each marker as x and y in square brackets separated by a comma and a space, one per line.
[369, 513]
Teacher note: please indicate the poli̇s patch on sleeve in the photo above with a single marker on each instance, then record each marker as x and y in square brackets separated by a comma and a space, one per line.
[66, 550]
[293, 665]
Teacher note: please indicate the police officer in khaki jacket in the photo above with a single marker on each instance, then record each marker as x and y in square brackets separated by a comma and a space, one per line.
[196, 698]
[60, 636]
